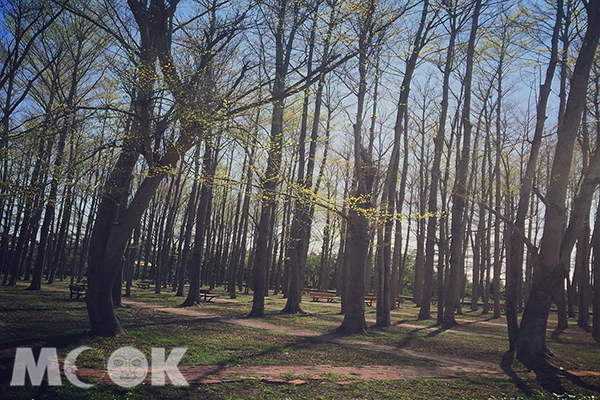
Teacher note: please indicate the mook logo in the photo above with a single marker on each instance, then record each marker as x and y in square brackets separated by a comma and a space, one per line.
[126, 367]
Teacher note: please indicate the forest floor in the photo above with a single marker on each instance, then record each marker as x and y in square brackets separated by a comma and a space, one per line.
[288, 356]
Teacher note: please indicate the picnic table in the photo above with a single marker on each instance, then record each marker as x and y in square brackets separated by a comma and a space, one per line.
[399, 300]
[78, 290]
[206, 295]
[144, 284]
[502, 307]
[322, 295]
[369, 299]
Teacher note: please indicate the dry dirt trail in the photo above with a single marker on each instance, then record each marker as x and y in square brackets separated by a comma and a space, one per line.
[447, 368]
[458, 364]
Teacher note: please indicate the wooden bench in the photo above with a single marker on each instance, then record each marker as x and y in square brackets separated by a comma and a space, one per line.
[369, 299]
[144, 284]
[206, 295]
[399, 300]
[502, 307]
[322, 295]
[77, 291]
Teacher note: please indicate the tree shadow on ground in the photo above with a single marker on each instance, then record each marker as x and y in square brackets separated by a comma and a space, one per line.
[463, 323]
[506, 365]
[36, 344]
[29, 309]
[549, 377]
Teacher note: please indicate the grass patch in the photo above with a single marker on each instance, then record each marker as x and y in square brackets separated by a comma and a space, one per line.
[48, 318]
[466, 388]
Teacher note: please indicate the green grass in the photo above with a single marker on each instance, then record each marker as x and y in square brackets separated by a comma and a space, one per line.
[574, 347]
[466, 388]
[48, 318]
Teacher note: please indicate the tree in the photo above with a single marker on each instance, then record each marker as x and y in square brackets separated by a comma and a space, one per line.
[360, 205]
[460, 190]
[283, 49]
[515, 262]
[391, 177]
[549, 271]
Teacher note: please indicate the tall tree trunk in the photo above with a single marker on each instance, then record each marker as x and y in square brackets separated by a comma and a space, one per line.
[324, 262]
[460, 188]
[515, 262]
[391, 177]
[239, 254]
[550, 271]
[498, 195]
[202, 222]
[190, 218]
[36, 283]
[271, 176]
[425, 311]
[596, 272]
[583, 258]
[357, 242]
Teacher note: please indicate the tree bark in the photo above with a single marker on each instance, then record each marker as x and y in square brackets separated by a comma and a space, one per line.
[460, 189]
[550, 271]
[358, 235]
[425, 301]
[596, 274]
[515, 262]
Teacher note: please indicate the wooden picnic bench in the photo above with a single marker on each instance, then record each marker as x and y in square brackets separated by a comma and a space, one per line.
[369, 299]
[144, 284]
[502, 307]
[322, 295]
[206, 295]
[77, 290]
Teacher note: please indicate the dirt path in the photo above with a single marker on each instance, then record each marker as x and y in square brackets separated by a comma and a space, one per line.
[296, 374]
[573, 329]
[449, 366]
[457, 364]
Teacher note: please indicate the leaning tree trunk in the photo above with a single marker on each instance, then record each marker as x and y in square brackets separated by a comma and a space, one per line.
[549, 271]
[515, 262]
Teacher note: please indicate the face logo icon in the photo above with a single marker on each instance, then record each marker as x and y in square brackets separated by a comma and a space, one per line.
[127, 367]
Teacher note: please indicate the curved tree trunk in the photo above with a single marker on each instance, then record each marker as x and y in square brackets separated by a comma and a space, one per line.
[515, 262]
[549, 271]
